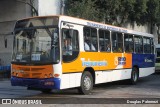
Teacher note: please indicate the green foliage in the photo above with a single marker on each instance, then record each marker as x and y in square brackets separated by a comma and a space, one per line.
[109, 10]
[83, 9]
[116, 12]
[126, 9]
[140, 10]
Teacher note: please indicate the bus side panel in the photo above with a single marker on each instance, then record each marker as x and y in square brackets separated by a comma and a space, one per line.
[145, 62]
[112, 75]
[70, 80]
[98, 61]
[107, 66]
[146, 71]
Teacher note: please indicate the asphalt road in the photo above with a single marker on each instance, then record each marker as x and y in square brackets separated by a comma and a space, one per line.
[147, 87]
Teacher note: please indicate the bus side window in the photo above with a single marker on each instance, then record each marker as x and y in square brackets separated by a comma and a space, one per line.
[147, 45]
[128, 43]
[104, 41]
[117, 42]
[138, 41]
[90, 39]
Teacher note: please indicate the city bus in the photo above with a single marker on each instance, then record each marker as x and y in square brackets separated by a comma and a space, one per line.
[61, 52]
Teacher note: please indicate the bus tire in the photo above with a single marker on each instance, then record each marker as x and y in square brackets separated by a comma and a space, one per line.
[86, 83]
[134, 76]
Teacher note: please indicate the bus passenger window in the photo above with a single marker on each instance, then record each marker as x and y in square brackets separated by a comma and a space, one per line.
[147, 45]
[138, 44]
[117, 42]
[87, 39]
[90, 39]
[104, 41]
[128, 43]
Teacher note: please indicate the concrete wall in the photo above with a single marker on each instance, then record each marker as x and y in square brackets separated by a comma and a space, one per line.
[5, 35]
[49, 7]
[10, 11]
[144, 28]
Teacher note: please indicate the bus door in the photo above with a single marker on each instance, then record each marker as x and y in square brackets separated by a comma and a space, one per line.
[70, 47]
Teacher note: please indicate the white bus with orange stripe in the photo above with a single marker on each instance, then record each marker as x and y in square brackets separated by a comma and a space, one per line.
[60, 52]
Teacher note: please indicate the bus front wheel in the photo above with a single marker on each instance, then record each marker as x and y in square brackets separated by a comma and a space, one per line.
[134, 76]
[86, 83]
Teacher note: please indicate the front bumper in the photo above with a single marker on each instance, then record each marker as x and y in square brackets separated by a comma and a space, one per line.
[49, 83]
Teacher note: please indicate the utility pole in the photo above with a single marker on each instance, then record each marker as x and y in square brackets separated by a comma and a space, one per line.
[62, 6]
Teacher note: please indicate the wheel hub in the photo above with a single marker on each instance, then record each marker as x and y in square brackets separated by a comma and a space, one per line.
[87, 83]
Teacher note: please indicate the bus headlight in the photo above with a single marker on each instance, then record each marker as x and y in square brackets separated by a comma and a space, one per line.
[17, 74]
[45, 76]
[12, 73]
[50, 75]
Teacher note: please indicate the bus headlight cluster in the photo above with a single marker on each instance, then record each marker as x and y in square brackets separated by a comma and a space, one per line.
[17, 74]
[45, 76]
[48, 76]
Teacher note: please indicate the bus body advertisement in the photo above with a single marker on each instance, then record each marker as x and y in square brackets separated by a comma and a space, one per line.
[59, 52]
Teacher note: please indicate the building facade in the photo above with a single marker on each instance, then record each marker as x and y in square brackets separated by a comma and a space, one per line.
[12, 10]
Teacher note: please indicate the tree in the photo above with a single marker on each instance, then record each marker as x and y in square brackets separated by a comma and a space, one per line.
[126, 10]
[109, 10]
[153, 12]
[139, 13]
[83, 9]
[117, 12]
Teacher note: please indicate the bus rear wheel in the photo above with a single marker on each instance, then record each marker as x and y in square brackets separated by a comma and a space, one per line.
[134, 76]
[86, 83]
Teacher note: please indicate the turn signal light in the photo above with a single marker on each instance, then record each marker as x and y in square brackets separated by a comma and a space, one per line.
[56, 75]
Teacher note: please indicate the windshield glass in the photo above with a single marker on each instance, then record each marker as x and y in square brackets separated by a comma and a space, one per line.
[36, 42]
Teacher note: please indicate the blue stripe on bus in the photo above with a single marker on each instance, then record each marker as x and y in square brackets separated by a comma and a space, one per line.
[36, 83]
[143, 60]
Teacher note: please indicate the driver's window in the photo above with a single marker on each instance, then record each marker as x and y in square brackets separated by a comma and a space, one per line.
[70, 44]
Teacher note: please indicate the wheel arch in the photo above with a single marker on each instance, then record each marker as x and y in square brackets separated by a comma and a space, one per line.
[92, 71]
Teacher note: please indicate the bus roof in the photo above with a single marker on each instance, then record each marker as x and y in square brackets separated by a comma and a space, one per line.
[84, 22]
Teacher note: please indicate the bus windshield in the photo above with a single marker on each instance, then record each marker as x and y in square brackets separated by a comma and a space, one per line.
[35, 43]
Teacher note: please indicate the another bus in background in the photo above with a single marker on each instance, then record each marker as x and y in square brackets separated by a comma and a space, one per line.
[157, 64]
